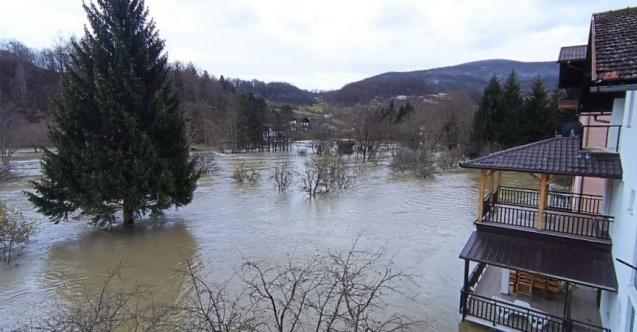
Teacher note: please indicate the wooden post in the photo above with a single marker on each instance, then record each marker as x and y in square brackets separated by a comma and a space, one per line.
[483, 175]
[499, 179]
[544, 183]
[496, 198]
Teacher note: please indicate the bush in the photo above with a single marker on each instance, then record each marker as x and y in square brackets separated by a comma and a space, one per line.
[325, 173]
[205, 162]
[419, 162]
[246, 173]
[15, 231]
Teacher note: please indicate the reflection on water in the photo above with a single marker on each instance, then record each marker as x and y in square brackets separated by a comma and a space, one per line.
[152, 254]
[423, 224]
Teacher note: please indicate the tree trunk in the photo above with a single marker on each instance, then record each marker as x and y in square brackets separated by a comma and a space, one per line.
[128, 214]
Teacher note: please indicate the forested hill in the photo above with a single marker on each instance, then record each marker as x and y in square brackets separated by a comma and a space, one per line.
[276, 92]
[29, 78]
[471, 77]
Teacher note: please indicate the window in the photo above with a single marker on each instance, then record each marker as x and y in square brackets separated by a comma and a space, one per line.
[631, 202]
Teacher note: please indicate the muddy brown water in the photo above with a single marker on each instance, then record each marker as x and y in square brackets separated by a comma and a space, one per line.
[422, 223]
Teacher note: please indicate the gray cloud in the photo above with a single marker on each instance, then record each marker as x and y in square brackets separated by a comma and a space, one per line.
[329, 43]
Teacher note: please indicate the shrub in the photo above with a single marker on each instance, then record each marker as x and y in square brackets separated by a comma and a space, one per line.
[15, 231]
[205, 162]
[246, 173]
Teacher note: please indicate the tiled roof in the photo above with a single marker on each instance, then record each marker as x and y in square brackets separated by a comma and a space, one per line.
[559, 156]
[579, 264]
[615, 44]
[570, 53]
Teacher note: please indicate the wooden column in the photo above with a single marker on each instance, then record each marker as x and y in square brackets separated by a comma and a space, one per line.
[499, 179]
[544, 193]
[496, 197]
[483, 175]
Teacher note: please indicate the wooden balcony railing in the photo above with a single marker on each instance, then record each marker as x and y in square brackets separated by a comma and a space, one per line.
[584, 225]
[561, 201]
[519, 318]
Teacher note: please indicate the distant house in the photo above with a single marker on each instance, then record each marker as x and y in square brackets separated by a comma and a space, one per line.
[305, 123]
[271, 132]
[328, 114]
[293, 123]
[345, 146]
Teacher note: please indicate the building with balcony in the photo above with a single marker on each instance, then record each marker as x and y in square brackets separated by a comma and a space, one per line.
[542, 260]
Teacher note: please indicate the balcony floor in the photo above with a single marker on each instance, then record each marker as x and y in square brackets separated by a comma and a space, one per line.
[583, 300]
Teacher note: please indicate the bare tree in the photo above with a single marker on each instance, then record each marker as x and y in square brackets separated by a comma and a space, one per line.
[246, 173]
[325, 173]
[122, 310]
[282, 176]
[11, 124]
[371, 132]
[205, 162]
[338, 291]
[213, 307]
[420, 161]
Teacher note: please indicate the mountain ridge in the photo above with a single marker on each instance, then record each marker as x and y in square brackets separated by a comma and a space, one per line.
[471, 77]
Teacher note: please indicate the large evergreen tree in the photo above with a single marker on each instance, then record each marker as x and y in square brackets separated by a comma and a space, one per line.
[513, 114]
[119, 138]
[539, 115]
[488, 116]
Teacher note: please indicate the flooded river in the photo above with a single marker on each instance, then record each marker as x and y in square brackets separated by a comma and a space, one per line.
[422, 223]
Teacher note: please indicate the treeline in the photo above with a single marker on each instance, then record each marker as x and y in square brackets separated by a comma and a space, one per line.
[30, 77]
[506, 117]
[276, 92]
[227, 113]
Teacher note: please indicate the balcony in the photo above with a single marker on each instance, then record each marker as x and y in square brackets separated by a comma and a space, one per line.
[484, 302]
[600, 138]
[566, 214]
[568, 99]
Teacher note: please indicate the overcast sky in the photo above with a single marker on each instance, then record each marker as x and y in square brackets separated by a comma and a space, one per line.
[328, 43]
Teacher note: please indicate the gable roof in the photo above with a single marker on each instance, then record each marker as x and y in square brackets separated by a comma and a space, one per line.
[559, 156]
[614, 45]
[573, 53]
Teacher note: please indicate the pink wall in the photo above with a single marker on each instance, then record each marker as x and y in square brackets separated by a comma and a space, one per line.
[592, 138]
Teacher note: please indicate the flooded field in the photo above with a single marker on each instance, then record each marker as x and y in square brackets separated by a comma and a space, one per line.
[422, 223]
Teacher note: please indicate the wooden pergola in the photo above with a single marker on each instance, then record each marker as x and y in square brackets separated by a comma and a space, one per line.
[493, 178]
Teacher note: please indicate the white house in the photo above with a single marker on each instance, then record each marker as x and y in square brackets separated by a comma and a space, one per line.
[612, 95]
[533, 247]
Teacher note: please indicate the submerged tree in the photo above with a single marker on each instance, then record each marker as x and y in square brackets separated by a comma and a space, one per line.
[120, 140]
